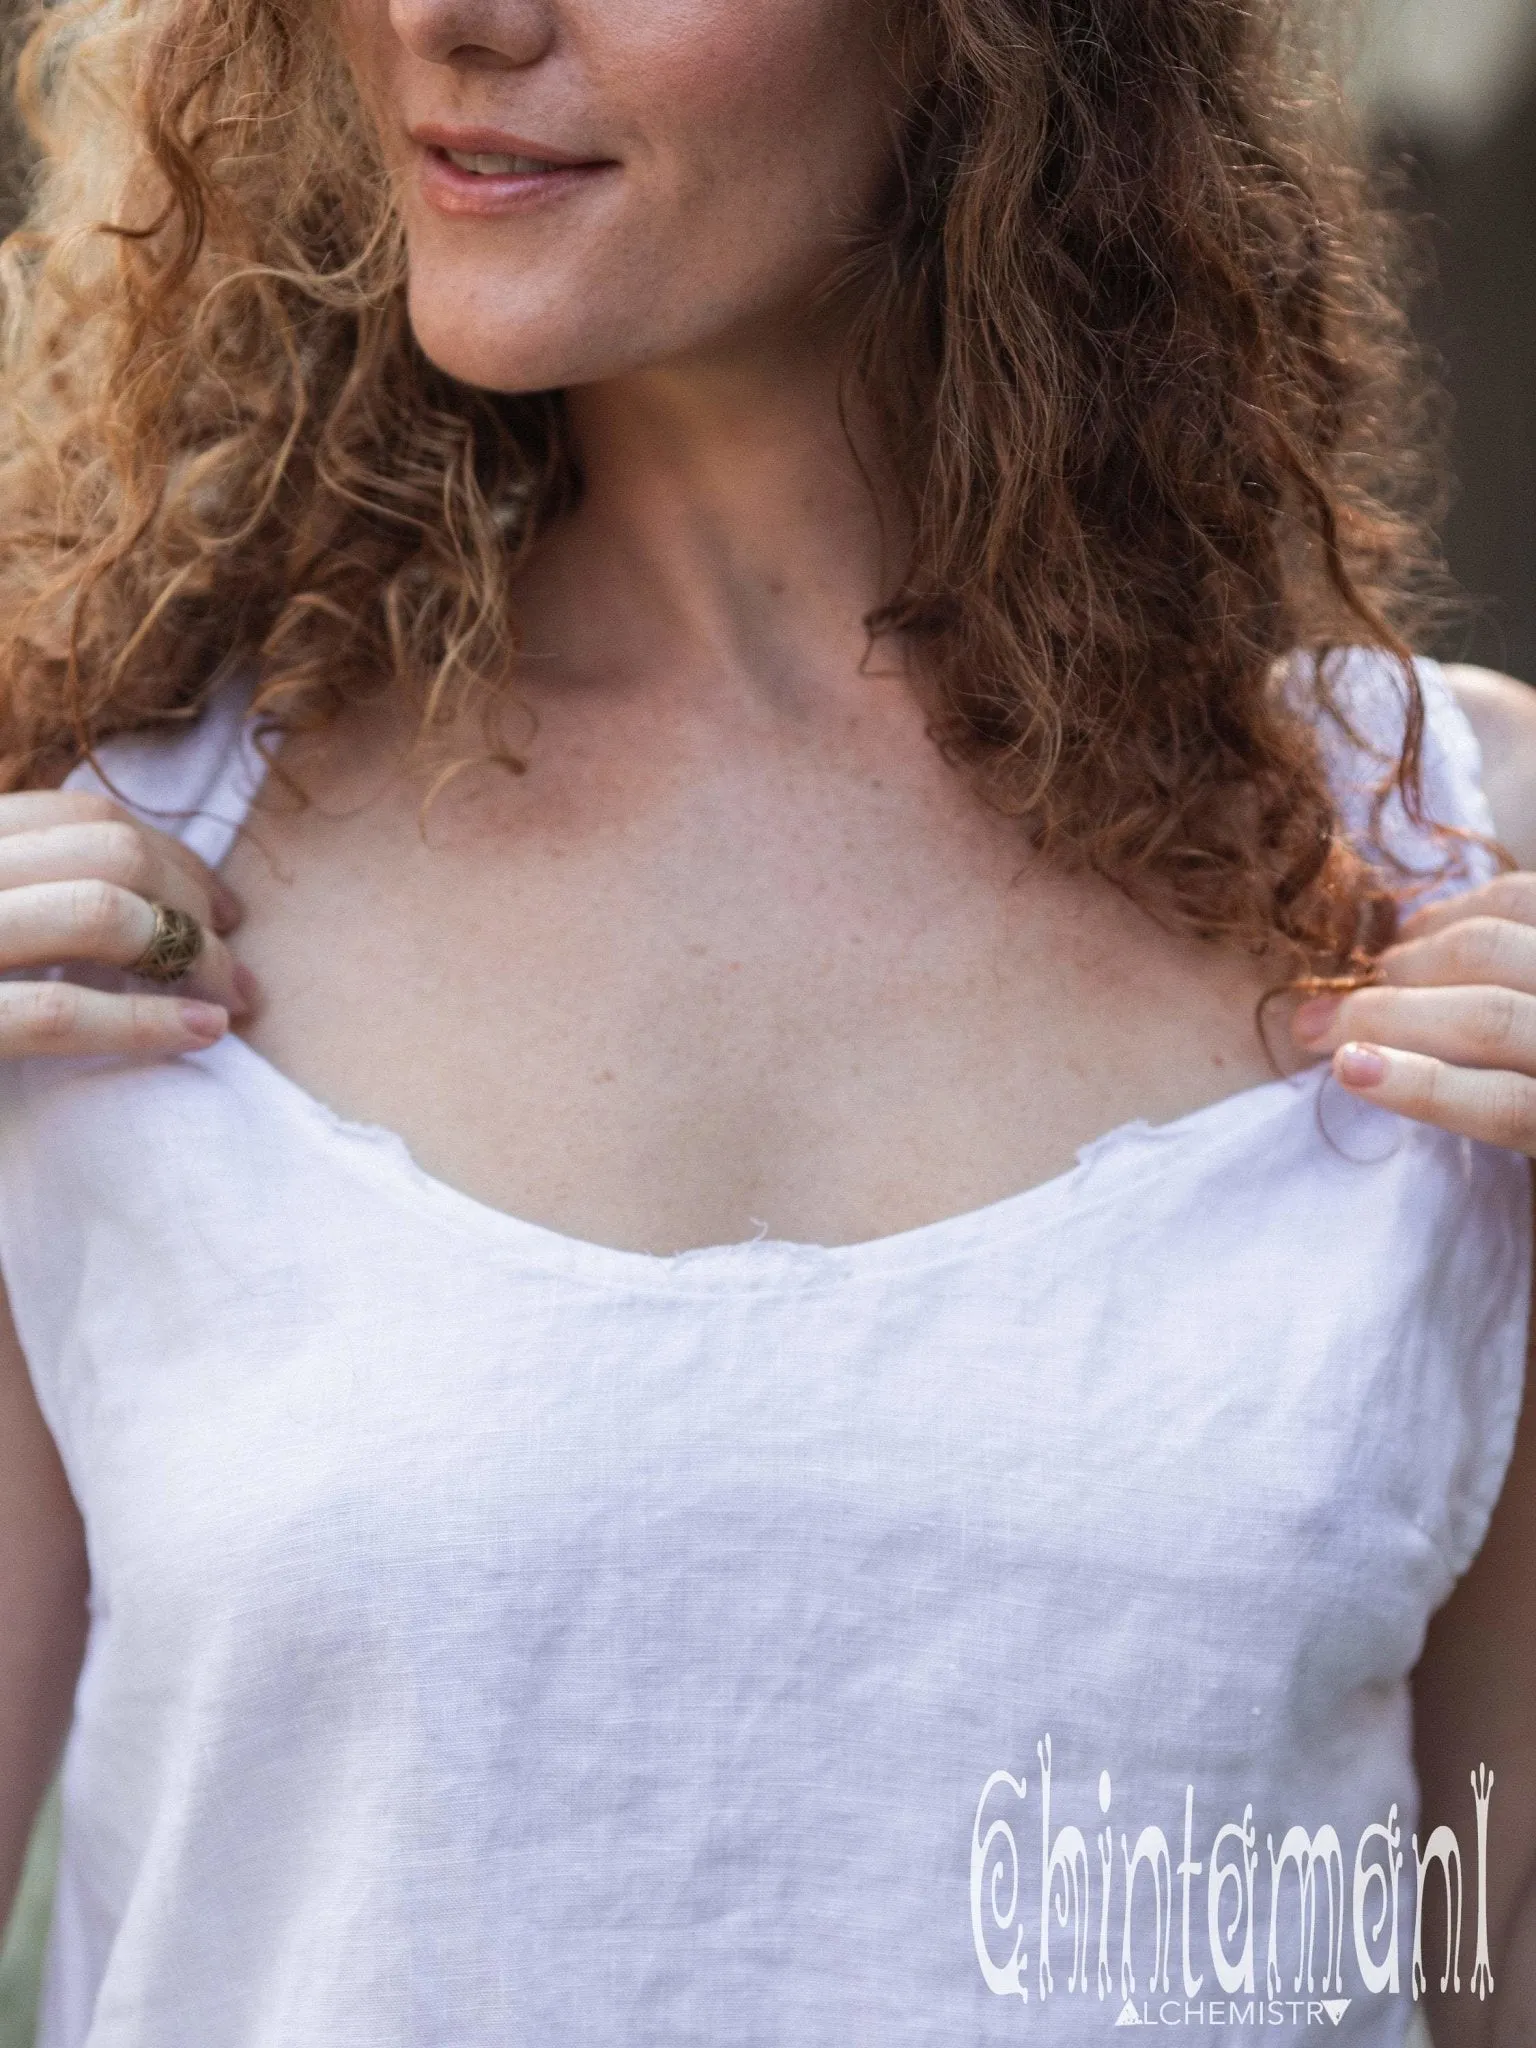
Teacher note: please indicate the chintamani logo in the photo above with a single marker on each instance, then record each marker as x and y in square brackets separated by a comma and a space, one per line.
[1294, 1920]
[1232, 2012]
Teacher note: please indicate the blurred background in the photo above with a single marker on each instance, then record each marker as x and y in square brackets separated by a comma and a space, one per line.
[1449, 89]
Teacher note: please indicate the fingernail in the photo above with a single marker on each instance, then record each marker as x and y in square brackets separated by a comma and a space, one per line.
[1313, 1019]
[204, 1022]
[247, 987]
[1360, 1066]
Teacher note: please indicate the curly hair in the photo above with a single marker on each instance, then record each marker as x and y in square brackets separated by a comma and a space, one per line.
[1126, 321]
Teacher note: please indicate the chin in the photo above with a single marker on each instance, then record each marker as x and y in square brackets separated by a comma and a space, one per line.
[497, 347]
[475, 352]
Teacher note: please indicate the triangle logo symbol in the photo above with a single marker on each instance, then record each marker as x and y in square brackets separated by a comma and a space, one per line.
[1130, 2017]
[1336, 2008]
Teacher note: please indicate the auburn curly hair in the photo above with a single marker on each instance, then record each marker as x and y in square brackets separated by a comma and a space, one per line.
[1126, 321]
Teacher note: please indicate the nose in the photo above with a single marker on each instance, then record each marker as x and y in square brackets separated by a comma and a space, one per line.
[488, 35]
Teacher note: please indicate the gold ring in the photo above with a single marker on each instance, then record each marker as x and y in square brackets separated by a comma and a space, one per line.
[173, 950]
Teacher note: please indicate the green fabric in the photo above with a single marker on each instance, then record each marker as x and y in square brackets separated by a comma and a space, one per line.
[21, 1960]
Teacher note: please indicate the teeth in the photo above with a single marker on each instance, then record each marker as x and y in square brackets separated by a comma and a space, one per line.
[498, 166]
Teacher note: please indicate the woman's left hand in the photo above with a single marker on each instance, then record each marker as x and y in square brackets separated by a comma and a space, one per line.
[1448, 1035]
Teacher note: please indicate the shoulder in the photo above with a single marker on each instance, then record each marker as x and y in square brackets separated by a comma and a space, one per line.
[1357, 700]
[1502, 715]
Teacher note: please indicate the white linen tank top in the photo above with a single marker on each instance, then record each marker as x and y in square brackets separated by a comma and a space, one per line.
[935, 1642]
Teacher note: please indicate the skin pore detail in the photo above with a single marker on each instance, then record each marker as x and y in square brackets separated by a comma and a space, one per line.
[753, 990]
[733, 157]
[740, 948]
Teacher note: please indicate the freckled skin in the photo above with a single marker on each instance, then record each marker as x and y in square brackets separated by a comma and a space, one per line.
[716, 218]
[740, 944]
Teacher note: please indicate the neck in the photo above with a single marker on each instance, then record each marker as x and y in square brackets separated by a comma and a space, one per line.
[734, 528]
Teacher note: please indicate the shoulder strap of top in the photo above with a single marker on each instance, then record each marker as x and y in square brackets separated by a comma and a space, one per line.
[198, 782]
[1370, 691]
[195, 782]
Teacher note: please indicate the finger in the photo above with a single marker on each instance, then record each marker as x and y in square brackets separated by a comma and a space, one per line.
[1512, 895]
[111, 850]
[27, 810]
[1479, 948]
[37, 810]
[1475, 1027]
[45, 923]
[40, 1017]
[224, 906]
[1498, 1108]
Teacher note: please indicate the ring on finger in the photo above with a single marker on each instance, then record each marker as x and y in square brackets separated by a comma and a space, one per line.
[174, 946]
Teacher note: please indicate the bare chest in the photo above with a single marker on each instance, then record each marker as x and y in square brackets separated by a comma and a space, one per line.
[821, 996]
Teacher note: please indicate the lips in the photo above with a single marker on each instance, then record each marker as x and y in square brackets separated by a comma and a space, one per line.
[488, 164]
[469, 172]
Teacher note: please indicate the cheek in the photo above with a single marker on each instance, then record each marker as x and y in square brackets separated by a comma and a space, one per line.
[363, 33]
[763, 124]
[754, 137]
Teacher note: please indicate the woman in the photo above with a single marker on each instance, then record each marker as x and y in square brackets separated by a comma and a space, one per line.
[617, 1486]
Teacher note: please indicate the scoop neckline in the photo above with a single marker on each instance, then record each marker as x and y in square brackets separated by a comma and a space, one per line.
[385, 1153]
[387, 1159]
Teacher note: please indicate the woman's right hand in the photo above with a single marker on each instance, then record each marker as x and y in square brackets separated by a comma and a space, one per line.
[79, 875]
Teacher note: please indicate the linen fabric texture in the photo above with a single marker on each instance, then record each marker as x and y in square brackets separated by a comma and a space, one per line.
[501, 1638]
